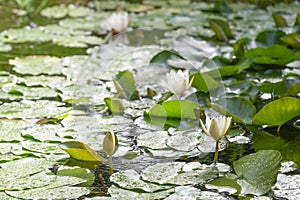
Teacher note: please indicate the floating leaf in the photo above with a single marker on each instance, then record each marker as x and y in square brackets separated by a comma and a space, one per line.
[153, 139]
[5, 47]
[130, 179]
[287, 186]
[278, 112]
[279, 20]
[204, 82]
[289, 149]
[115, 106]
[125, 85]
[241, 109]
[221, 29]
[55, 12]
[165, 55]
[270, 37]
[292, 40]
[257, 172]
[179, 173]
[80, 151]
[32, 109]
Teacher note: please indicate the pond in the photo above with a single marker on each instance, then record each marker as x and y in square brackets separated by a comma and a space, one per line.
[154, 100]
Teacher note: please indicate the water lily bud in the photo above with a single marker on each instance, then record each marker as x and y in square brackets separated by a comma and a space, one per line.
[110, 143]
[216, 127]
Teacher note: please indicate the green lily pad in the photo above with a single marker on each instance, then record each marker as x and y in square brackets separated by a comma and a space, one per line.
[130, 179]
[31, 109]
[24, 35]
[80, 151]
[177, 173]
[44, 133]
[183, 141]
[29, 92]
[55, 29]
[36, 65]
[289, 149]
[45, 81]
[5, 47]
[292, 40]
[287, 186]
[181, 109]
[11, 130]
[125, 85]
[153, 139]
[24, 167]
[241, 109]
[115, 106]
[257, 172]
[81, 23]
[117, 193]
[278, 112]
[51, 193]
[55, 12]
[204, 82]
[41, 147]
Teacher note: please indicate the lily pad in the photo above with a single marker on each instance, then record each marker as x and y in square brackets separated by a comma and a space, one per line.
[11, 130]
[174, 173]
[153, 139]
[55, 12]
[130, 179]
[183, 141]
[36, 65]
[51, 193]
[278, 112]
[257, 172]
[5, 47]
[80, 151]
[32, 109]
[241, 109]
[287, 186]
[181, 109]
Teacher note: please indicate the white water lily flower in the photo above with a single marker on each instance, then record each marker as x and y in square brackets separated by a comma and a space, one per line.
[177, 82]
[216, 127]
[116, 23]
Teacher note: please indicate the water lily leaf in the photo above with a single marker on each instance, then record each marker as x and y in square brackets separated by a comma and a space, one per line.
[35, 181]
[294, 89]
[165, 55]
[292, 40]
[55, 29]
[257, 172]
[279, 20]
[24, 167]
[45, 81]
[241, 109]
[225, 184]
[41, 147]
[81, 23]
[80, 151]
[117, 193]
[29, 92]
[176, 173]
[221, 29]
[51, 193]
[204, 82]
[79, 11]
[55, 12]
[115, 106]
[130, 179]
[32, 109]
[270, 37]
[24, 35]
[181, 109]
[11, 130]
[171, 153]
[153, 139]
[183, 141]
[287, 186]
[278, 112]
[125, 85]
[289, 150]
[36, 65]
[5, 47]
[185, 192]
[275, 54]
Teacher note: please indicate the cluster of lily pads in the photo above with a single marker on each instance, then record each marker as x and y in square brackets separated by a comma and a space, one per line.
[212, 58]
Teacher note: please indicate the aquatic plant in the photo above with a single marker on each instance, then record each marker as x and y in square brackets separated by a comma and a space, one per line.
[116, 23]
[110, 146]
[177, 82]
[217, 128]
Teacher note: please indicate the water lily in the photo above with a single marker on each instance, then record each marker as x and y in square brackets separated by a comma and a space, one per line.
[116, 23]
[217, 128]
[177, 82]
[110, 146]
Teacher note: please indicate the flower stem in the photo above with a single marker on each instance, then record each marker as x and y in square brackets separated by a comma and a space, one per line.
[216, 152]
[111, 170]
